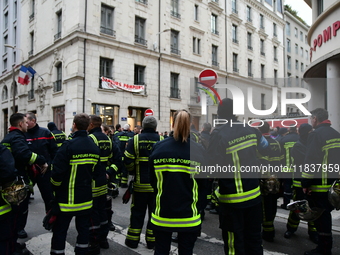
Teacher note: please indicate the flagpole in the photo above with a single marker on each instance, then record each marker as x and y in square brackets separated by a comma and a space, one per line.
[14, 84]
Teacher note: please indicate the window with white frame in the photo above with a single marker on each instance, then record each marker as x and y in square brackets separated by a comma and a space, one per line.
[234, 6]
[235, 64]
[249, 41]
[57, 85]
[214, 24]
[249, 19]
[196, 12]
[139, 74]
[275, 53]
[175, 9]
[214, 55]
[106, 20]
[175, 42]
[59, 25]
[234, 32]
[289, 63]
[174, 88]
[140, 31]
[287, 28]
[250, 68]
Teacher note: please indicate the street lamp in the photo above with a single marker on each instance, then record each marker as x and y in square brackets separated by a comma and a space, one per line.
[159, 69]
[14, 84]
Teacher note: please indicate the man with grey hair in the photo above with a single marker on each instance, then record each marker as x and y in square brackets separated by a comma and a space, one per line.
[136, 159]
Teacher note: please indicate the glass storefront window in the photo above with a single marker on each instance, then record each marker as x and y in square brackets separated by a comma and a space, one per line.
[108, 113]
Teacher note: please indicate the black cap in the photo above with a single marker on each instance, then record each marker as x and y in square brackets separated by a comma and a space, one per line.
[225, 109]
[282, 131]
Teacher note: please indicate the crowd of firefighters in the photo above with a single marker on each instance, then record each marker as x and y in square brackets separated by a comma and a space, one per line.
[79, 175]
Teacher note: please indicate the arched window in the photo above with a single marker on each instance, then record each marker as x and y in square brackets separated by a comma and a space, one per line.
[4, 93]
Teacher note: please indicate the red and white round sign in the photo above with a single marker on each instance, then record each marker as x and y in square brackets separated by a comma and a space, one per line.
[148, 112]
[208, 77]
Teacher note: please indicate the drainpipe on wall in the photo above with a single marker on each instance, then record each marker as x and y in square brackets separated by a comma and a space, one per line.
[159, 61]
[84, 70]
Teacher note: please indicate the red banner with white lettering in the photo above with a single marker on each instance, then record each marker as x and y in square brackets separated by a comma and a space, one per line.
[111, 84]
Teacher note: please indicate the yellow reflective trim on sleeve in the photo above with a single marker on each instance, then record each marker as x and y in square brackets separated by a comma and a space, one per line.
[5, 208]
[33, 158]
[54, 182]
[307, 175]
[129, 155]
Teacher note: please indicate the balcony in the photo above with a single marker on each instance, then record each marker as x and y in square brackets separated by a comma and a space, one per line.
[108, 31]
[57, 36]
[31, 94]
[215, 63]
[235, 41]
[57, 86]
[235, 70]
[141, 83]
[214, 32]
[250, 47]
[175, 51]
[31, 17]
[174, 92]
[175, 14]
[142, 1]
[140, 40]
[100, 80]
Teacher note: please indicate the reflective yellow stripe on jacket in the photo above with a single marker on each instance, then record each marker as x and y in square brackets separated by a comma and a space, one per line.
[239, 197]
[156, 219]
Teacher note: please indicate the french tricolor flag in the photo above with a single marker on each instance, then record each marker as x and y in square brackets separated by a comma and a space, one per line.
[25, 75]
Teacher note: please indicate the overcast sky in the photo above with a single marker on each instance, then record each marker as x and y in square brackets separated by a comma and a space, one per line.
[304, 11]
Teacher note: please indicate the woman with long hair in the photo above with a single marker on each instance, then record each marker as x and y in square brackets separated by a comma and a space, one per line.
[177, 195]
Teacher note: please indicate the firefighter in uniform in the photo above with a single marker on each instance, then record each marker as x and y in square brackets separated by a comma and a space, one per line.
[113, 170]
[59, 136]
[287, 142]
[323, 147]
[235, 145]
[7, 223]
[298, 156]
[123, 137]
[15, 141]
[136, 158]
[41, 141]
[177, 194]
[99, 227]
[270, 185]
[74, 167]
